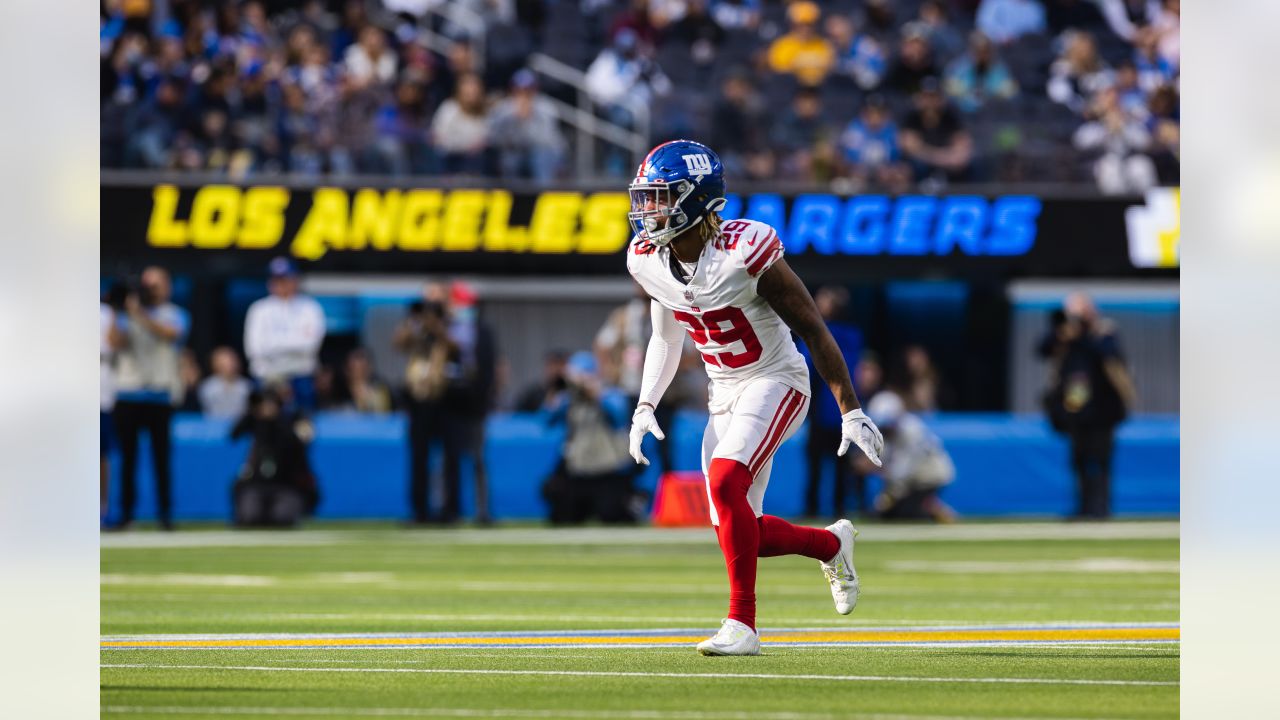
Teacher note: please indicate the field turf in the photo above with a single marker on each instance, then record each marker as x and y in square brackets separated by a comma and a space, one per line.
[979, 620]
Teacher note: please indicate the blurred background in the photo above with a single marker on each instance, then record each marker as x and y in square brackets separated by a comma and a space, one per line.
[365, 259]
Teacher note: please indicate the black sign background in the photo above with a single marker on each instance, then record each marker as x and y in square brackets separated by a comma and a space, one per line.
[1076, 237]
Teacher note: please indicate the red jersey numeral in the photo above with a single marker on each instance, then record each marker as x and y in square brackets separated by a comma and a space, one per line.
[724, 326]
[731, 232]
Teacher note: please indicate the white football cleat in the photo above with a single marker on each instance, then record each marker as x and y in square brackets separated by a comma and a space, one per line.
[839, 569]
[734, 638]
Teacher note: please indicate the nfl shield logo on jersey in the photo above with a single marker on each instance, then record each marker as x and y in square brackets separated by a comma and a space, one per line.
[689, 295]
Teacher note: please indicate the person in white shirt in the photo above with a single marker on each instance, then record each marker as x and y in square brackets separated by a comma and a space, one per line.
[225, 393]
[282, 335]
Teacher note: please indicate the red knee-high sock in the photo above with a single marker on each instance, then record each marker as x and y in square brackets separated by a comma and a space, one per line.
[738, 534]
[779, 537]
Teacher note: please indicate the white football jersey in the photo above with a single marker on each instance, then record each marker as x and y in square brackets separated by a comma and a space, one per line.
[739, 335]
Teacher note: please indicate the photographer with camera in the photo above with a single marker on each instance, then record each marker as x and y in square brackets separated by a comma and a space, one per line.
[423, 335]
[275, 486]
[594, 478]
[146, 335]
[1090, 393]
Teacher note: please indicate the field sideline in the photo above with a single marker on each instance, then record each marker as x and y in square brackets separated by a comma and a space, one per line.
[978, 620]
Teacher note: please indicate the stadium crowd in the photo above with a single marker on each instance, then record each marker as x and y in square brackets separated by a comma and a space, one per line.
[867, 93]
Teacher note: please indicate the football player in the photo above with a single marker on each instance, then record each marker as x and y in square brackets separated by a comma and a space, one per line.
[726, 284]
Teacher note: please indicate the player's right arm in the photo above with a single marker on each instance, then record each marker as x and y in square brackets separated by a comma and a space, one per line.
[660, 362]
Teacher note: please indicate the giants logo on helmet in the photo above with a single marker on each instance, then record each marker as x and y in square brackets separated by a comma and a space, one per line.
[698, 164]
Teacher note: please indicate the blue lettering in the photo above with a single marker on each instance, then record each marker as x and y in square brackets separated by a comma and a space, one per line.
[863, 231]
[1013, 225]
[961, 222]
[732, 206]
[813, 220]
[769, 209]
[910, 223]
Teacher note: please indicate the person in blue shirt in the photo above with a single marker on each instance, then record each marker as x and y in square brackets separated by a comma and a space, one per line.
[870, 146]
[824, 414]
[147, 338]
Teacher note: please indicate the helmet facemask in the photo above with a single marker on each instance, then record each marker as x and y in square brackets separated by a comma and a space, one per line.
[657, 214]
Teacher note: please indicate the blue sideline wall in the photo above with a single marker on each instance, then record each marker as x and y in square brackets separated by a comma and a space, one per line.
[1006, 465]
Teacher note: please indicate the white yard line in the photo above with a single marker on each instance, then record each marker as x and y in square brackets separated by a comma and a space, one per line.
[682, 676]
[1123, 565]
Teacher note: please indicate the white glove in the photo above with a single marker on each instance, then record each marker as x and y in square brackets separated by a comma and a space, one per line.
[856, 428]
[643, 422]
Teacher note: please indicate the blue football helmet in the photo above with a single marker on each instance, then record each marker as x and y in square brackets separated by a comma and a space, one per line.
[676, 187]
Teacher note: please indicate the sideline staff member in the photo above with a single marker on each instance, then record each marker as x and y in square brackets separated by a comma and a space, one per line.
[147, 338]
[282, 336]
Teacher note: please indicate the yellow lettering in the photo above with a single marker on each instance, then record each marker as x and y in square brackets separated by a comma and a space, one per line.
[263, 217]
[420, 220]
[215, 215]
[462, 220]
[604, 223]
[498, 236]
[163, 230]
[555, 217]
[373, 218]
[325, 225]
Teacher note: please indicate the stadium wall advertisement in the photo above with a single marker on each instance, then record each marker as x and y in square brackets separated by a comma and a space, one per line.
[233, 228]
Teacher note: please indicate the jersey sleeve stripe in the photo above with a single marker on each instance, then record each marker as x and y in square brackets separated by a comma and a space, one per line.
[762, 247]
[764, 260]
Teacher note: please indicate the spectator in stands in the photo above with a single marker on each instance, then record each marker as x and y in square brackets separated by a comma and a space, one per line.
[526, 133]
[146, 336]
[1125, 17]
[740, 119]
[594, 480]
[624, 81]
[1118, 142]
[858, 55]
[933, 139]
[799, 133]
[868, 375]
[283, 333]
[1063, 15]
[736, 14]
[402, 129]
[190, 374]
[879, 21]
[362, 391]
[638, 20]
[1163, 124]
[916, 467]
[1078, 73]
[460, 128]
[1154, 70]
[870, 145]
[467, 400]
[545, 393]
[225, 393]
[803, 52]
[946, 41]
[1132, 97]
[824, 414]
[369, 60]
[978, 76]
[423, 336]
[1090, 393]
[1007, 20]
[914, 62]
[698, 32]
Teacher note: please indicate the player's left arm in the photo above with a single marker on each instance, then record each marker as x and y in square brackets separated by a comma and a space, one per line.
[786, 294]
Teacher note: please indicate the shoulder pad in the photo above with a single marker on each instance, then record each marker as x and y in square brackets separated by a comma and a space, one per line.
[753, 245]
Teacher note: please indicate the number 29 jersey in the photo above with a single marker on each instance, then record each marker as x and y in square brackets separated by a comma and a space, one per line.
[739, 335]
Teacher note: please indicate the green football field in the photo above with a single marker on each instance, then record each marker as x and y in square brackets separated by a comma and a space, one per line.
[975, 620]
